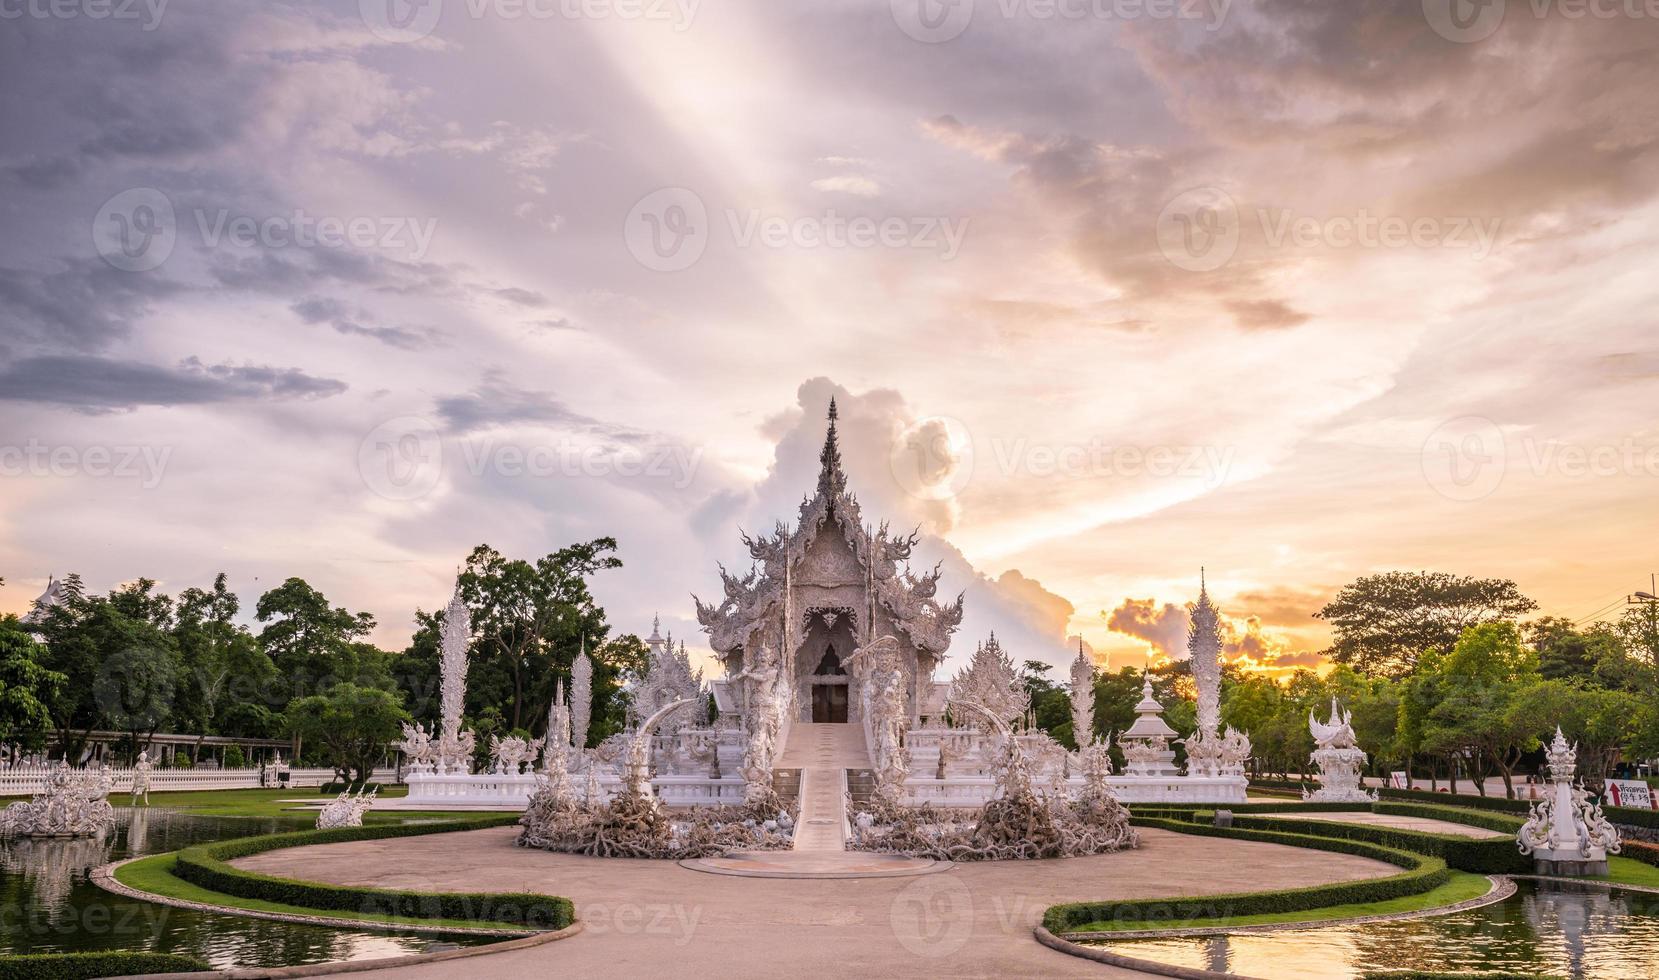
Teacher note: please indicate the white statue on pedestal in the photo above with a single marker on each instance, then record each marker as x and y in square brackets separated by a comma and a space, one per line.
[417, 746]
[1566, 833]
[884, 691]
[511, 755]
[1339, 759]
[1145, 744]
[141, 778]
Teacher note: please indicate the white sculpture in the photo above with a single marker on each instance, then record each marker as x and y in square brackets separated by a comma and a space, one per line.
[141, 778]
[1145, 744]
[636, 777]
[73, 804]
[1567, 833]
[1339, 758]
[885, 714]
[346, 810]
[991, 681]
[1082, 698]
[511, 755]
[417, 746]
[581, 697]
[1210, 752]
[557, 739]
[455, 747]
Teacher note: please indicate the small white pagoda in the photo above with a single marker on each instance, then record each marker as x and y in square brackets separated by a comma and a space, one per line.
[1146, 743]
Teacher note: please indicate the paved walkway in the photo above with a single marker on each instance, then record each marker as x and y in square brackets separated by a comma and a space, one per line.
[657, 919]
[1422, 824]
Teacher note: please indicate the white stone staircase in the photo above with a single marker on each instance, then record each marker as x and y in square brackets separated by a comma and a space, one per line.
[824, 753]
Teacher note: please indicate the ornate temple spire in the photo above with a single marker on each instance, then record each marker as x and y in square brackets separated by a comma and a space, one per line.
[1204, 644]
[832, 480]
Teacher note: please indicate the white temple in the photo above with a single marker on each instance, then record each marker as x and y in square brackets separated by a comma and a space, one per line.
[831, 645]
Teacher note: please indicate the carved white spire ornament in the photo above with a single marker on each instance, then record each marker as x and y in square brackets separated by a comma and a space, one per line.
[1082, 698]
[581, 697]
[455, 747]
[1567, 833]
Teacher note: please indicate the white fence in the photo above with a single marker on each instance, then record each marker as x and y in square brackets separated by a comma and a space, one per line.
[27, 780]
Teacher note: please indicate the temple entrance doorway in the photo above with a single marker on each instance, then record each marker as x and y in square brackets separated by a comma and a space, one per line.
[829, 696]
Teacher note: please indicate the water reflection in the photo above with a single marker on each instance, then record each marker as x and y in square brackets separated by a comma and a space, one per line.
[1585, 932]
[48, 902]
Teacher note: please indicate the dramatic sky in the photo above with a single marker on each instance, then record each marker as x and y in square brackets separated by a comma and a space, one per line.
[1107, 290]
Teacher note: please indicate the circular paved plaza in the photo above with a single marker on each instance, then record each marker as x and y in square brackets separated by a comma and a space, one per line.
[655, 918]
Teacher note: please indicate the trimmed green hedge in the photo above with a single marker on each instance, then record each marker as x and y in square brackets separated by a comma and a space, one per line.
[1641, 851]
[85, 966]
[1492, 855]
[1288, 806]
[1423, 874]
[207, 866]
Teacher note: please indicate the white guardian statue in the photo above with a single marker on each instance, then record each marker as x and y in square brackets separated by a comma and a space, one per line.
[1339, 759]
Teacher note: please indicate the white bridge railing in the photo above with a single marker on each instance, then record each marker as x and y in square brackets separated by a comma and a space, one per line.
[27, 780]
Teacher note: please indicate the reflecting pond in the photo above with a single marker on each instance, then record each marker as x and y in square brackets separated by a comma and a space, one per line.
[1588, 932]
[48, 902]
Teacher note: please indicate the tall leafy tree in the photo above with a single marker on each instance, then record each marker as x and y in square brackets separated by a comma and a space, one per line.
[530, 619]
[1383, 623]
[313, 644]
[225, 682]
[26, 686]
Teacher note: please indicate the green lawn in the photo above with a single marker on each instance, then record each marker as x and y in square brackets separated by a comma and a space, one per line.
[270, 803]
[1629, 871]
[1460, 888]
[154, 875]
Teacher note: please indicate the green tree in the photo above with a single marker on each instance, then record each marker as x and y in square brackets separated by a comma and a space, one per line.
[312, 644]
[1383, 623]
[531, 618]
[26, 686]
[226, 680]
[353, 724]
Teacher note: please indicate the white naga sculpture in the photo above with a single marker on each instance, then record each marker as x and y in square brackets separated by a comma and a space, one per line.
[141, 778]
[346, 810]
[1210, 752]
[886, 717]
[454, 750]
[73, 804]
[1566, 832]
[1339, 758]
